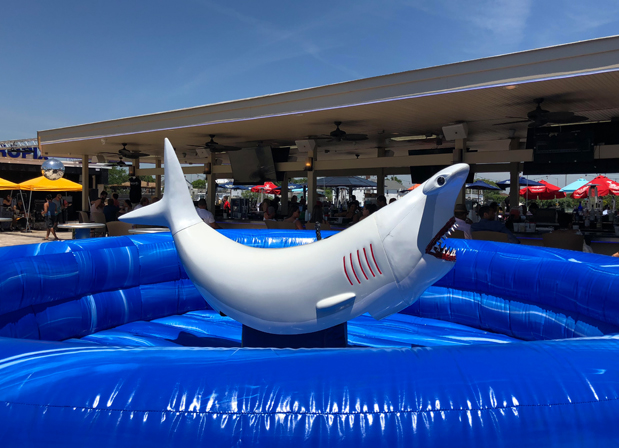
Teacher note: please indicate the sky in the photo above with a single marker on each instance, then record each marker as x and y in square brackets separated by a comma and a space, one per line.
[69, 62]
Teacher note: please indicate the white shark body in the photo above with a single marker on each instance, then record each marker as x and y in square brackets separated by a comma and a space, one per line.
[380, 265]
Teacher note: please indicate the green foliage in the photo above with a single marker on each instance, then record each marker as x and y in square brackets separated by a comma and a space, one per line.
[117, 176]
[395, 179]
[147, 178]
[199, 183]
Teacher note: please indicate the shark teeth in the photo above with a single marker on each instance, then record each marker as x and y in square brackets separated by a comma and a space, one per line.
[437, 247]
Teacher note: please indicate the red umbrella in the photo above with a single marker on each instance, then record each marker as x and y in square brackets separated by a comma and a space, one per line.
[542, 192]
[267, 188]
[413, 187]
[604, 185]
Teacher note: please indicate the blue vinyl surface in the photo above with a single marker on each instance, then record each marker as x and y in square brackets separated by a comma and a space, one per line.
[105, 342]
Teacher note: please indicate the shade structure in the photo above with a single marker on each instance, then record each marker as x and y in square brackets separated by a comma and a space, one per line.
[522, 181]
[481, 185]
[605, 186]
[8, 185]
[347, 182]
[574, 185]
[412, 187]
[44, 184]
[546, 191]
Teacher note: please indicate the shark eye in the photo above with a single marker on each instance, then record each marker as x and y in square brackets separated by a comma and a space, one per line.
[440, 181]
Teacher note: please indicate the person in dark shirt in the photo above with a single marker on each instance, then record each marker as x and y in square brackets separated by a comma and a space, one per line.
[488, 223]
[110, 211]
[135, 189]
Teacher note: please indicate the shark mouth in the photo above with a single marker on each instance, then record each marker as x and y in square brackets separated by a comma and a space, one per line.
[437, 249]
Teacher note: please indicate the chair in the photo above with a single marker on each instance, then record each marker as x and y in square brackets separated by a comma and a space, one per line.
[99, 218]
[118, 228]
[83, 217]
[459, 234]
[563, 240]
[486, 235]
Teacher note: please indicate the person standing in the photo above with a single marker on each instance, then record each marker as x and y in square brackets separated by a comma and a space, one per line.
[49, 212]
[59, 203]
[135, 189]
[227, 208]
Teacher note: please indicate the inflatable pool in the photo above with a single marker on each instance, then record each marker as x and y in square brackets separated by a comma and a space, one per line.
[106, 342]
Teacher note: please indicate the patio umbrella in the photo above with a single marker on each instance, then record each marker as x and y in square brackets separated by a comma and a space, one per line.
[481, 185]
[233, 187]
[546, 191]
[42, 183]
[267, 187]
[522, 181]
[604, 185]
[413, 187]
[574, 185]
[291, 187]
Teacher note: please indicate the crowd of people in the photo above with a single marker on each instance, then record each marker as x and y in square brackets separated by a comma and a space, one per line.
[493, 218]
[321, 212]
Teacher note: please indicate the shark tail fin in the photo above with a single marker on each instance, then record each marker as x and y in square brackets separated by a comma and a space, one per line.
[175, 210]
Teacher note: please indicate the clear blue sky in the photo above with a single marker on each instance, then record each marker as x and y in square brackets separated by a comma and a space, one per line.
[67, 62]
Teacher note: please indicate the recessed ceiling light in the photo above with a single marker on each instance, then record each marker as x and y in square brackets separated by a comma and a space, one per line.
[510, 87]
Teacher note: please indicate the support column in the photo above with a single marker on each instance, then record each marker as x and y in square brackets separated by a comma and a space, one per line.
[85, 182]
[311, 181]
[458, 157]
[211, 185]
[284, 195]
[514, 186]
[158, 179]
[380, 174]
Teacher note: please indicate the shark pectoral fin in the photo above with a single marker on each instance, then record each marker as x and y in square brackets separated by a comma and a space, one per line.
[336, 303]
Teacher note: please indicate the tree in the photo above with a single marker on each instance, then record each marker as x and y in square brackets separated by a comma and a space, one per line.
[396, 179]
[199, 183]
[117, 176]
[147, 178]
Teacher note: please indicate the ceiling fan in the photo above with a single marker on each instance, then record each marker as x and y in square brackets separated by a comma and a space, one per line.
[120, 162]
[124, 152]
[213, 146]
[540, 117]
[127, 154]
[338, 135]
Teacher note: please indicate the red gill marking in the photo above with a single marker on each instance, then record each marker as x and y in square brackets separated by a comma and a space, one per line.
[352, 265]
[372, 250]
[345, 270]
[368, 262]
[362, 270]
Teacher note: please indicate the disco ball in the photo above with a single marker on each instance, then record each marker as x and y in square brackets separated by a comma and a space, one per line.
[52, 169]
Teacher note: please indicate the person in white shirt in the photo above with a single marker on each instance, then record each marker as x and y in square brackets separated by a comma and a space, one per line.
[143, 203]
[460, 213]
[205, 215]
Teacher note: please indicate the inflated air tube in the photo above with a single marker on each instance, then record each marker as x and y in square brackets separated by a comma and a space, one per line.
[515, 390]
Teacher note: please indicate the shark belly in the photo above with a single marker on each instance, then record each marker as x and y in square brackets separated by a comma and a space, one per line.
[292, 290]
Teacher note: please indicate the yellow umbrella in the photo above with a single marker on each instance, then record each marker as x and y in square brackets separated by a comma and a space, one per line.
[8, 185]
[44, 184]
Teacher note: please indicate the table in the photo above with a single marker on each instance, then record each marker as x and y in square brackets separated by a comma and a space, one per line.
[82, 229]
[149, 230]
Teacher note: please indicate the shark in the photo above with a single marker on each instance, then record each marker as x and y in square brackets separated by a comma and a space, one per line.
[378, 266]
